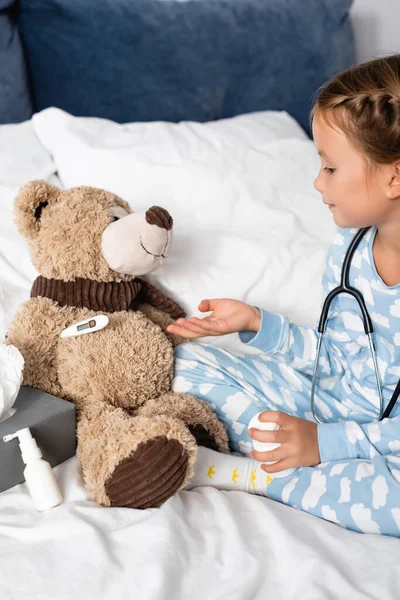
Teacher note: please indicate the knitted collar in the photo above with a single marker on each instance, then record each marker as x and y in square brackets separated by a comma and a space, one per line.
[110, 296]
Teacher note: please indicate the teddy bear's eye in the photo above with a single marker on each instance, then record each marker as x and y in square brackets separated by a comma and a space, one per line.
[117, 212]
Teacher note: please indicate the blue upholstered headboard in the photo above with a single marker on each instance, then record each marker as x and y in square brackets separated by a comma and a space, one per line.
[146, 60]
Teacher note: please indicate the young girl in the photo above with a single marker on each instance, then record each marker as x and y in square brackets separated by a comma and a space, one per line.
[346, 469]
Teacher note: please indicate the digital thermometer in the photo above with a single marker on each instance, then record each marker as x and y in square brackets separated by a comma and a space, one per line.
[94, 324]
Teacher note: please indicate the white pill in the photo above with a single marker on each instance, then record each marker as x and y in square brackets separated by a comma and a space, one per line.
[264, 426]
[266, 446]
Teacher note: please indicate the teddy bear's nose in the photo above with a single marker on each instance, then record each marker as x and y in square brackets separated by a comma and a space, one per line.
[160, 217]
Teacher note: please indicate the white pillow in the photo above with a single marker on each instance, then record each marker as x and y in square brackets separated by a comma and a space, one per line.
[248, 223]
[22, 158]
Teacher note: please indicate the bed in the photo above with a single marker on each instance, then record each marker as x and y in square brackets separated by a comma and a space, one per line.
[201, 106]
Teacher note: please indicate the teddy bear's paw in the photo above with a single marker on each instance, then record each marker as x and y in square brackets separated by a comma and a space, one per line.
[150, 475]
[203, 424]
[203, 437]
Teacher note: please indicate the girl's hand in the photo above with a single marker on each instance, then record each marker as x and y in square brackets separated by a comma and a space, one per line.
[298, 439]
[228, 316]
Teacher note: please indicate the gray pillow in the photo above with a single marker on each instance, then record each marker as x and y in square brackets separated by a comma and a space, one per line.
[147, 60]
[15, 99]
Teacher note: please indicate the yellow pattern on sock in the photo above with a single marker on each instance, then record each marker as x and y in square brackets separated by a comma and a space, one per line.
[253, 478]
[235, 475]
[229, 472]
[210, 472]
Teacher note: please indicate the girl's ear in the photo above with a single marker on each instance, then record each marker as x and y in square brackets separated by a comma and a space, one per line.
[30, 204]
[394, 183]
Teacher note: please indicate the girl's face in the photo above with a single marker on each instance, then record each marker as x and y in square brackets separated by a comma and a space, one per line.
[354, 199]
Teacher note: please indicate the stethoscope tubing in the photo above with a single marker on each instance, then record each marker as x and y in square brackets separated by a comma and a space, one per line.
[344, 287]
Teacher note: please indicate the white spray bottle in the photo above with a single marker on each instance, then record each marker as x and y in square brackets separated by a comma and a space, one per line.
[38, 474]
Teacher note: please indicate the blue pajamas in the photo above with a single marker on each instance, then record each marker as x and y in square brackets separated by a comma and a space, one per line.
[363, 495]
[357, 483]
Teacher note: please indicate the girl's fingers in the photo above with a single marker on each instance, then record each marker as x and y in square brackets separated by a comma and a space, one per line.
[195, 328]
[209, 325]
[276, 416]
[188, 327]
[276, 454]
[281, 465]
[182, 332]
[274, 436]
[206, 305]
[189, 324]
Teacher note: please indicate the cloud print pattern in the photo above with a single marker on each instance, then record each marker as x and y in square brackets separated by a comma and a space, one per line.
[357, 483]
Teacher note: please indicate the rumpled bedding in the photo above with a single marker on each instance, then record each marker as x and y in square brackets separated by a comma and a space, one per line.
[248, 224]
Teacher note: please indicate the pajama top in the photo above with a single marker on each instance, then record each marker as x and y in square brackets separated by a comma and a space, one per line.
[345, 369]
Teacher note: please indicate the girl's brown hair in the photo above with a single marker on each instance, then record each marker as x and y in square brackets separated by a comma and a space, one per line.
[364, 102]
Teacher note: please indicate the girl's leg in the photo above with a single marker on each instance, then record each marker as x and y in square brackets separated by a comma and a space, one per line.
[356, 494]
[362, 495]
[229, 384]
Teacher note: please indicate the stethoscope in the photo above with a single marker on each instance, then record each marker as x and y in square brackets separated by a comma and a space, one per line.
[345, 287]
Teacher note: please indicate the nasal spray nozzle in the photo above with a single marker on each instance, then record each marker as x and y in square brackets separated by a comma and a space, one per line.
[38, 474]
[28, 445]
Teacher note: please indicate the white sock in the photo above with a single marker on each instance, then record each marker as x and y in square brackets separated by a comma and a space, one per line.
[229, 472]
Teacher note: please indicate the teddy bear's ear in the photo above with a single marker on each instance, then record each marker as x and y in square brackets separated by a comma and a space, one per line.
[30, 203]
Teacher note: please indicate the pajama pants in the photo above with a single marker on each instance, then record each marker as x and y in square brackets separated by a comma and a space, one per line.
[238, 385]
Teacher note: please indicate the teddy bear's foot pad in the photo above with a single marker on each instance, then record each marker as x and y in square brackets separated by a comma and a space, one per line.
[150, 475]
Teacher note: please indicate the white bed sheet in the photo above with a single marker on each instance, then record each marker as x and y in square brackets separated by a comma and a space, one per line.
[203, 542]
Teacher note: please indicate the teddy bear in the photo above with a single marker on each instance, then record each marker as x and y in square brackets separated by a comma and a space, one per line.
[137, 441]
